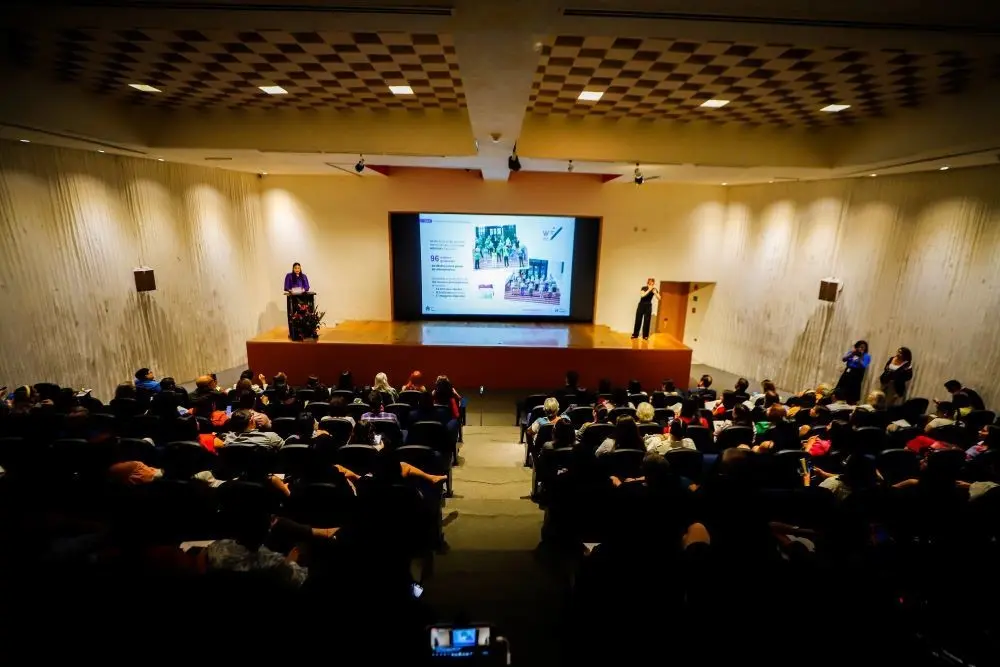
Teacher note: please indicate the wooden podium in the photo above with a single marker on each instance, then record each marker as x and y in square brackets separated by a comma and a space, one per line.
[292, 302]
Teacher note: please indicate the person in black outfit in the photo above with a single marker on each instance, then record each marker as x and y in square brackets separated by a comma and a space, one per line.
[644, 311]
[953, 386]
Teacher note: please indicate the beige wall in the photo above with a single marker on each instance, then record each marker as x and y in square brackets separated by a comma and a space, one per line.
[73, 226]
[916, 254]
[918, 258]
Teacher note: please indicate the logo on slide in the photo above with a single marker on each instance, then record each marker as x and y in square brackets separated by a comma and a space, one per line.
[425, 220]
[550, 234]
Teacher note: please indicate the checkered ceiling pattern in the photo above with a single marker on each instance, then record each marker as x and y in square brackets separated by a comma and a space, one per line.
[223, 69]
[772, 84]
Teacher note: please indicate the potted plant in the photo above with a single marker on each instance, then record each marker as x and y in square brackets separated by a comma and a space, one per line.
[306, 321]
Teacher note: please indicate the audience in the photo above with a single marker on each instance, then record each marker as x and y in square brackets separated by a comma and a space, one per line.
[954, 387]
[674, 438]
[626, 436]
[415, 383]
[375, 411]
[382, 385]
[244, 432]
[144, 380]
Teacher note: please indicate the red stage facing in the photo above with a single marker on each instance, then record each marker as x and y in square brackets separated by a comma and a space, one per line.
[499, 356]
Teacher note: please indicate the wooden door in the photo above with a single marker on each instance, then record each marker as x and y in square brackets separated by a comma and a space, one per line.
[672, 311]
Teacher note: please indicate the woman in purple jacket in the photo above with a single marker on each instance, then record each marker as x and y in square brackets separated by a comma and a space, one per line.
[296, 279]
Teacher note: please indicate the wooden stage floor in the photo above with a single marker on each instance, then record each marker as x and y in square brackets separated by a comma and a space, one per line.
[497, 355]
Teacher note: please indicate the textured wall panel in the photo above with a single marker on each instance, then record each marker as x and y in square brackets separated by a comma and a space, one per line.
[74, 225]
[918, 257]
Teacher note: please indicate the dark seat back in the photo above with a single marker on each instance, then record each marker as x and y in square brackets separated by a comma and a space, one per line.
[650, 429]
[402, 412]
[360, 459]
[595, 435]
[182, 459]
[283, 426]
[897, 464]
[622, 411]
[734, 436]
[686, 462]
[703, 439]
[410, 397]
[339, 429]
[624, 463]
[580, 415]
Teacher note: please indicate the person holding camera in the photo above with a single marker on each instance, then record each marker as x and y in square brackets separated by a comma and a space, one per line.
[855, 364]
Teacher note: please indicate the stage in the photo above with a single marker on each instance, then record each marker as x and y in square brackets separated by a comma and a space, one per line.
[498, 356]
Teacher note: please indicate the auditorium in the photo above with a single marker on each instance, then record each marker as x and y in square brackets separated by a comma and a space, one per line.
[495, 331]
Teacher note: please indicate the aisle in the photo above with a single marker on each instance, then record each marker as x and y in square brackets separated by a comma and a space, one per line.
[491, 572]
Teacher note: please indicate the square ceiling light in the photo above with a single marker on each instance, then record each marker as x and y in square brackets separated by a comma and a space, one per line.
[146, 88]
[273, 90]
[714, 104]
[835, 108]
[401, 90]
[590, 95]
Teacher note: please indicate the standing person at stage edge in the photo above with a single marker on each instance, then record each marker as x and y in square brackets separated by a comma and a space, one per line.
[644, 311]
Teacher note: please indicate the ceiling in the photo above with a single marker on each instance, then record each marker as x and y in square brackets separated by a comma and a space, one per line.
[223, 69]
[487, 74]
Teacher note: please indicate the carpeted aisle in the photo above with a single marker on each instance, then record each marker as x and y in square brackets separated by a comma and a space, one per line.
[492, 572]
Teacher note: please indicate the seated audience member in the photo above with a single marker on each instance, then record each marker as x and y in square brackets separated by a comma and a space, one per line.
[313, 383]
[170, 384]
[415, 383]
[205, 406]
[284, 403]
[134, 473]
[382, 384]
[244, 432]
[191, 429]
[989, 440]
[635, 387]
[563, 436]
[672, 439]
[247, 400]
[124, 390]
[206, 435]
[730, 399]
[166, 405]
[819, 415]
[619, 399]
[338, 409]
[703, 389]
[742, 389]
[307, 428]
[859, 475]
[206, 385]
[248, 376]
[691, 413]
[572, 388]
[551, 414]
[144, 380]
[771, 398]
[626, 436]
[600, 417]
[944, 415]
[375, 412]
[346, 382]
[775, 433]
[837, 402]
[245, 552]
[741, 417]
[644, 413]
[604, 386]
[955, 387]
[874, 402]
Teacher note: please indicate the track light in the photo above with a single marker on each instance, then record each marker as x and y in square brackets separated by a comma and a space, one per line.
[637, 175]
[514, 162]
[360, 166]
[569, 167]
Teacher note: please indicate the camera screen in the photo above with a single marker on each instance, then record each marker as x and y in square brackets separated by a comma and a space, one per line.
[460, 642]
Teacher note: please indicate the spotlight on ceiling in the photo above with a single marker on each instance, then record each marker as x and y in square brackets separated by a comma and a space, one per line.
[637, 175]
[360, 166]
[569, 167]
[514, 162]
[944, 168]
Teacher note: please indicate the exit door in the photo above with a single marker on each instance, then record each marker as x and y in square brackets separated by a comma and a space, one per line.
[672, 311]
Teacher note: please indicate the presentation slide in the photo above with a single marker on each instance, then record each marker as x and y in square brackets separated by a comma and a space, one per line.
[507, 265]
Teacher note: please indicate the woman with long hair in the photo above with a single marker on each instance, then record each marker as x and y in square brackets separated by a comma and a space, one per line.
[855, 364]
[896, 375]
[626, 436]
[382, 385]
[415, 383]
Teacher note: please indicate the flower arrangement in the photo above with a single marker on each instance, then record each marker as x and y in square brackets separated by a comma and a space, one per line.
[306, 321]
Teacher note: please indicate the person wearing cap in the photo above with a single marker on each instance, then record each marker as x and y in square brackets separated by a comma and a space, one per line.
[144, 380]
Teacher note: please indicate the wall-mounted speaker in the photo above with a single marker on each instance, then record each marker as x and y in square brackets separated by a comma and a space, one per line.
[145, 281]
[829, 289]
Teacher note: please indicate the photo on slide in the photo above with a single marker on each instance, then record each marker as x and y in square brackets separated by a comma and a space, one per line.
[498, 247]
[533, 285]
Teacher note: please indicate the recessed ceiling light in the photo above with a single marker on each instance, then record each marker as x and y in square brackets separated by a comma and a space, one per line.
[944, 168]
[401, 90]
[714, 104]
[263, 173]
[159, 159]
[146, 88]
[100, 150]
[834, 108]
[873, 175]
[771, 181]
[273, 90]
[590, 95]
[25, 141]
[725, 183]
